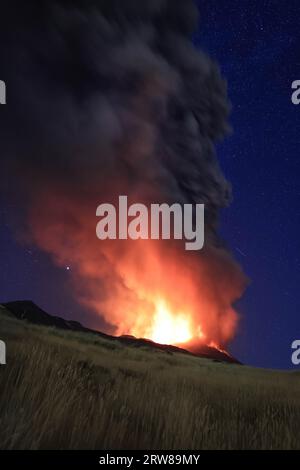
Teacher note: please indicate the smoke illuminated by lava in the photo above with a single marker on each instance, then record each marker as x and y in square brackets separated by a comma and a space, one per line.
[133, 108]
[148, 288]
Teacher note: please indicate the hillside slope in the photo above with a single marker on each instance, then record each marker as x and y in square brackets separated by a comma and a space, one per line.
[71, 390]
[28, 310]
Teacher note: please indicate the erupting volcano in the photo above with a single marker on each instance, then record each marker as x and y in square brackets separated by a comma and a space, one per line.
[170, 328]
[140, 118]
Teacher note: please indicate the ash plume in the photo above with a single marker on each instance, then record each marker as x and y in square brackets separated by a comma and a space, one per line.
[105, 98]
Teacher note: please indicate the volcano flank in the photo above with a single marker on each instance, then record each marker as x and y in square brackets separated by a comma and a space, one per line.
[30, 312]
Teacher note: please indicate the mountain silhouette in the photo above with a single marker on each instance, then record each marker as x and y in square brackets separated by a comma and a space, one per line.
[29, 311]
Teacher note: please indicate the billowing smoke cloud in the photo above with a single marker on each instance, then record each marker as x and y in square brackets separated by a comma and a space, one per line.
[105, 98]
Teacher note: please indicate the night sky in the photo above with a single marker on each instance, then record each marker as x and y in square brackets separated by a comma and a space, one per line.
[257, 46]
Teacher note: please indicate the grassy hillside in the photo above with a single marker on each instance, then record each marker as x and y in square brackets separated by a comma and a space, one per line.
[63, 390]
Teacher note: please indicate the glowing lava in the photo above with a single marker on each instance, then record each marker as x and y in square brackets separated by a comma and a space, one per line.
[169, 328]
[145, 288]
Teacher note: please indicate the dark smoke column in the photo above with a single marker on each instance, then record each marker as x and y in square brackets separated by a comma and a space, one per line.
[110, 97]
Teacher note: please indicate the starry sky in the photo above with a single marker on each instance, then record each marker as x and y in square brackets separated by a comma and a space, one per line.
[257, 46]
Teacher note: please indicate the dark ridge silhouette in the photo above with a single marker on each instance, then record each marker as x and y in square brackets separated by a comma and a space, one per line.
[29, 311]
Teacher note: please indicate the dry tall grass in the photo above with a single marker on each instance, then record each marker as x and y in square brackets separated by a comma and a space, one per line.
[72, 391]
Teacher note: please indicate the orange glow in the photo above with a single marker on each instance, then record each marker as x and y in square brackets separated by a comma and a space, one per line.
[146, 288]
[169, 328]
[213, 344]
